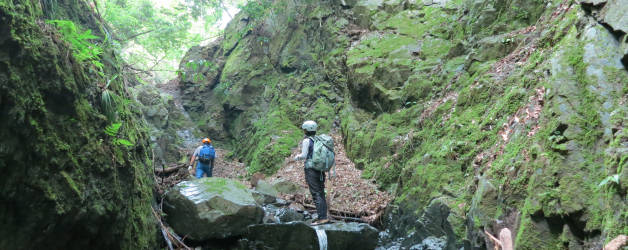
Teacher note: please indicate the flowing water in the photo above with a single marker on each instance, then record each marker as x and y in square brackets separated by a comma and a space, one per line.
[322, 238]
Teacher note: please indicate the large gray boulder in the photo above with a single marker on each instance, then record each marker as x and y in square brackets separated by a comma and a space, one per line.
[211, 208]
[293, 235]
[266, 188]
[614, 14]
[298, 235]
[287, 187]
[405, 229]
[355, 236]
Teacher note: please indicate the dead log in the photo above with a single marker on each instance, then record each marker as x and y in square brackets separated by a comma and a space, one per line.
[169, 170]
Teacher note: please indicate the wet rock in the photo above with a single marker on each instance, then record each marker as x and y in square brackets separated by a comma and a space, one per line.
[431, 243]
[342, 235]
[263, 199]
[276, 214]
[287, 187]
[269, 214]
[404, 229]
[288, 215]
[293, 235]
[211, 208]
[266, 188]
[281, 202]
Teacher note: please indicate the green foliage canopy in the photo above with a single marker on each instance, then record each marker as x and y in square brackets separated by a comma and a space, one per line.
[154, 35]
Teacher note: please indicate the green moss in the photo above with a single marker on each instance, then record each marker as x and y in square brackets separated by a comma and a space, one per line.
[218, 185]
[275, 138]
[55, 132]
[376, 47]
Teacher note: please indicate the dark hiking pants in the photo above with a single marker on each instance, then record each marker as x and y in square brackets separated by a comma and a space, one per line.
[317, 189]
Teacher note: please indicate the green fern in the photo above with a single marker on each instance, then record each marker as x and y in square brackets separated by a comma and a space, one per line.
[123, 142]
[82, 48]
[112, 130]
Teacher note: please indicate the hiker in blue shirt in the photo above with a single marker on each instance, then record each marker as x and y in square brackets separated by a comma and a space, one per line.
[205, 154]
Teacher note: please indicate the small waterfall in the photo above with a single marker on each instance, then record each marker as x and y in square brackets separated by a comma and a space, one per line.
[322, 238]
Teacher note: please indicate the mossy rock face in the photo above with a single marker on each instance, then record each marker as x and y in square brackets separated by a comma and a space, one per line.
[172, 131]
[406, 228]
[66, 184]
[270, 81]
[499, 108]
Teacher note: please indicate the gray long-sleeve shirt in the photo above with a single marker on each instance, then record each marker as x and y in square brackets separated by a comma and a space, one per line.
[304, 147]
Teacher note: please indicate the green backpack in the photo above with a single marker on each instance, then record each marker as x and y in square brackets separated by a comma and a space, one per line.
[323, 153]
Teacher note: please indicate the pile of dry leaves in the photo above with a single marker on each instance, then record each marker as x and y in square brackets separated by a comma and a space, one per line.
[347, 193]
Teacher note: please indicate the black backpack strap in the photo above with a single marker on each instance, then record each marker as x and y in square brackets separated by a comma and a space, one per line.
[310, 148]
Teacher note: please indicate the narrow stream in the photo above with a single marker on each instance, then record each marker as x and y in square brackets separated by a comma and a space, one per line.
[322, 238]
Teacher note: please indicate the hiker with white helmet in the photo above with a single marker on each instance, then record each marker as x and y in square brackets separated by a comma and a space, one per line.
[318, 152]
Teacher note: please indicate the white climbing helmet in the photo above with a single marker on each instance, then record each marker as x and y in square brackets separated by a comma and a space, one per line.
[309, 126]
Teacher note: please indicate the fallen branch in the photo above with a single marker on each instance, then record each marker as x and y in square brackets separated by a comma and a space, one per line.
[169, 236]
[165, 234]
[495, 241]
[136, 35]
[165, 171]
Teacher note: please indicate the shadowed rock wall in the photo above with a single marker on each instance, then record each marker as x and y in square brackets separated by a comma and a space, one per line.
[65, 183]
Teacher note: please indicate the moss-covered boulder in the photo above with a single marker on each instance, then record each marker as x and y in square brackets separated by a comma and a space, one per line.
[211, 208]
